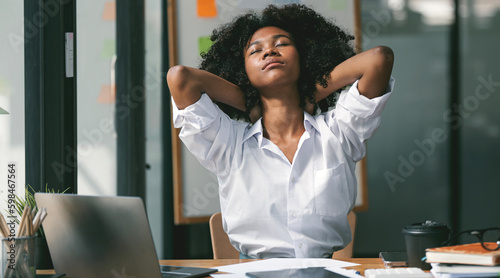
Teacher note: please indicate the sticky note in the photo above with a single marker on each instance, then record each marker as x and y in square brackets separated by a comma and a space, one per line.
[204, 44]
[206, 8]
[108, 48]
[338, 5]
[109, 12]
[107, 94]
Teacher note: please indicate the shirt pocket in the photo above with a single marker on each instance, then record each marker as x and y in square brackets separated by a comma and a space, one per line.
[331, 194]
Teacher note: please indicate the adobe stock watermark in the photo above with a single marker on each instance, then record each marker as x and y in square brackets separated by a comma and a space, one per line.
[106, 126]
[427, 146]
[373, 28]
[32, 26]
[202, 197]
[226, 8]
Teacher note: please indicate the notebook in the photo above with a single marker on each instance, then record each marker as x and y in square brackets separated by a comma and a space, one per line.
[103, 236]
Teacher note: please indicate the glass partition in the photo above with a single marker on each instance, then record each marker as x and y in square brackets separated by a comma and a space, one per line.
[408, 156]
[12, 154]
[479, 113]
[96, 50]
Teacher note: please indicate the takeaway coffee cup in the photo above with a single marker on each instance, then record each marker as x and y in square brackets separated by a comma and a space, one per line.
[420, 236]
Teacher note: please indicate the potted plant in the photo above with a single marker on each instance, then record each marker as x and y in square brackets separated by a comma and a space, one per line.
[42, 255]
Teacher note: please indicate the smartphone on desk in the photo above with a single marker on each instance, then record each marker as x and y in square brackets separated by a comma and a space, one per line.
[394, 259]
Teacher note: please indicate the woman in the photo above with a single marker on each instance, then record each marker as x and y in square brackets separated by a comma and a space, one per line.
[287, 181]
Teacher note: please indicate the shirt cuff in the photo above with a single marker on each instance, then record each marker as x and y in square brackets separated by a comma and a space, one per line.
[198, 115]
[362, 106]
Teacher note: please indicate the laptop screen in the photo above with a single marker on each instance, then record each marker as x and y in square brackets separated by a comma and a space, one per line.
[98, 236]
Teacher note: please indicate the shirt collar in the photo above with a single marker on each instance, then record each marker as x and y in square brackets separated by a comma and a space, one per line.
[310, 121]
[256, 128]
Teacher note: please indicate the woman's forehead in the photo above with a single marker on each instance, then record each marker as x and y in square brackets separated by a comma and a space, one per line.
[267, 32]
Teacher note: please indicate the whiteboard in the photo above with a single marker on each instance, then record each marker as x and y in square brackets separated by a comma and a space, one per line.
[195, 188]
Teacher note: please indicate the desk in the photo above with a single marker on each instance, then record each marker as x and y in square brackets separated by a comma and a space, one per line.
[365, 263]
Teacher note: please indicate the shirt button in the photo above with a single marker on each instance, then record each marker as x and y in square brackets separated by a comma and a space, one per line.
[293, 180]
[300, 245]
[294, 214]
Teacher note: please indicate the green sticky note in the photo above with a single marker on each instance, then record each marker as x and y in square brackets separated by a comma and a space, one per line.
[108, 49]
[204, 44]
[337, 5]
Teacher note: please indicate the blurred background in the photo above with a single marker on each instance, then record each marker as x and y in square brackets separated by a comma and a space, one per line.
[435, 156]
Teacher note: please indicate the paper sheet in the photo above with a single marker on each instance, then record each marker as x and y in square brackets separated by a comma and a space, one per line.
[232, 275]
[276, 264]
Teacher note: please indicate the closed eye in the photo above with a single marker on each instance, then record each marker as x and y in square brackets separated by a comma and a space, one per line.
[254, 51]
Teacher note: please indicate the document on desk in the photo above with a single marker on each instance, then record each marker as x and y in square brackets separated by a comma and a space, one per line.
[282, 263]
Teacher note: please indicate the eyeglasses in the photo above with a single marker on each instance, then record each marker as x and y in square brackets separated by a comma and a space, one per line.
[489, 238]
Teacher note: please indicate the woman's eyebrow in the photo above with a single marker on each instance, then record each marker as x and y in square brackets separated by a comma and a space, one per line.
[277, 36]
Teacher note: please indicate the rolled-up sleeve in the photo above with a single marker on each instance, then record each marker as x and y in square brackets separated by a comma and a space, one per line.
[356, 118]
[207, 132]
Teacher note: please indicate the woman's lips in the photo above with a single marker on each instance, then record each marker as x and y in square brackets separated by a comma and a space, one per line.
[272, 63]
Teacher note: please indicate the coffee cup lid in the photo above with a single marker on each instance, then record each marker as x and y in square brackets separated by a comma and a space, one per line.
[426, 227]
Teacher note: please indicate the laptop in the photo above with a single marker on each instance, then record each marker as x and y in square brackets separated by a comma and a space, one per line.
[103, 236]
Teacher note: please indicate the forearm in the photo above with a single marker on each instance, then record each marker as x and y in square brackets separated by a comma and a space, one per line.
[372, 67]
[186, 85]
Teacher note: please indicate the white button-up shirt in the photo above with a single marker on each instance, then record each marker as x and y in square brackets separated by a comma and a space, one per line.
[274, 208]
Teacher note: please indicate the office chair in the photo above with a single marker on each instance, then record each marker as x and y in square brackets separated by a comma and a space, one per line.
[223, 249]
[348, 250]
[221, 246]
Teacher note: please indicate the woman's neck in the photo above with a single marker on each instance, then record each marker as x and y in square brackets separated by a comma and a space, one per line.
[282, 118]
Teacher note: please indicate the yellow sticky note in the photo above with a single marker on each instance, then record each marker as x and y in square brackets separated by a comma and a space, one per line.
[206, 8]
[204, 44]
[338, 5]
[109, 12]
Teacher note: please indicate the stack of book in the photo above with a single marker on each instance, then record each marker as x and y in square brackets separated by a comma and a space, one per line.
[466, 260]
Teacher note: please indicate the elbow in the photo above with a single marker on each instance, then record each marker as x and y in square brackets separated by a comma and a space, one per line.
[385, 56]
[182, 86]
[178, 82]
[177, 77]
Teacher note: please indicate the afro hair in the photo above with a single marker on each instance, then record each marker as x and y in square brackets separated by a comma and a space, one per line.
[321, 44]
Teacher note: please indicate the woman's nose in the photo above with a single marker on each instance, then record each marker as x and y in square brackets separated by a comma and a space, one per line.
[270, 51]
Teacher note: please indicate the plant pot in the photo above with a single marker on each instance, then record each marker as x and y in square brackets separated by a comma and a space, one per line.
[42, 255]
